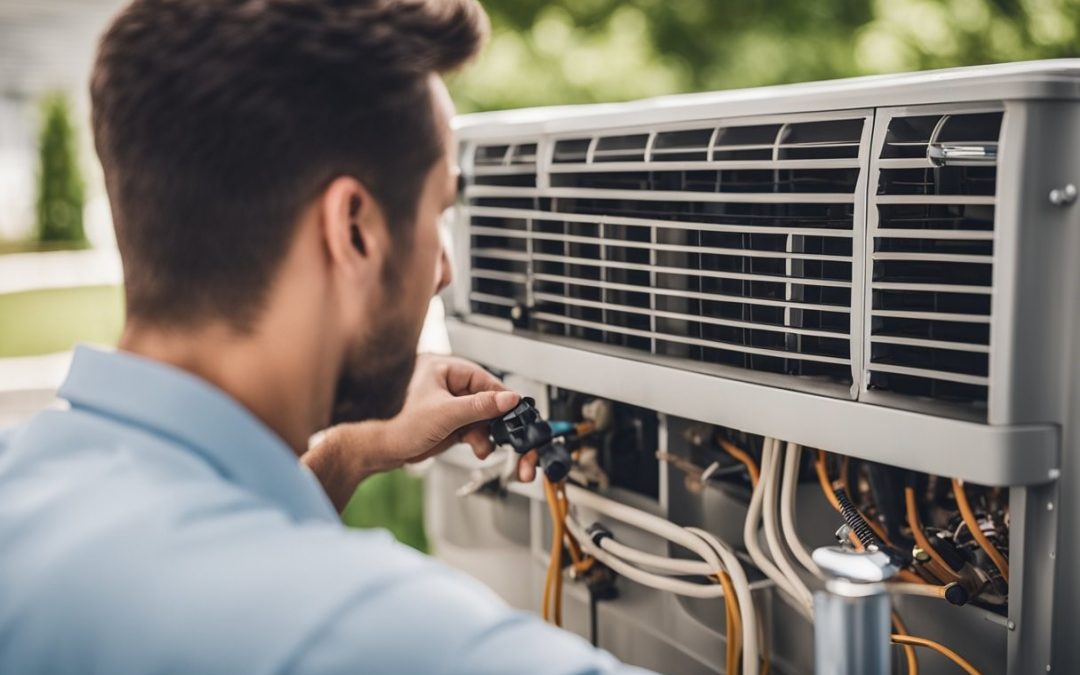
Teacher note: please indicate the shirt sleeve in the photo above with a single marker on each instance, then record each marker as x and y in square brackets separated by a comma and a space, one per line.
[441, 621]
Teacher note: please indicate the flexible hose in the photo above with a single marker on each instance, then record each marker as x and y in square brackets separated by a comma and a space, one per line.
[787, 510]
[973, 526]
[771, 478]
[753, 547]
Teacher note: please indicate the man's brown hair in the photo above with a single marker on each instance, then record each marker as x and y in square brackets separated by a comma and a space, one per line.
[217, 121]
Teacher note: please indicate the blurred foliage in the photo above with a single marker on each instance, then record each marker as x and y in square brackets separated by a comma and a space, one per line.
[546, 52]
[60, 197]
[54, 319]
[392, 500]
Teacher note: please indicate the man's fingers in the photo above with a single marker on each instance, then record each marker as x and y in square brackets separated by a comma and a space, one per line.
[465, 377]
[477, 436]
[527, 466]
[464, 411]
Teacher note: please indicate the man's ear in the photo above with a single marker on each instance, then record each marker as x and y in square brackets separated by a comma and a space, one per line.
[353, 226]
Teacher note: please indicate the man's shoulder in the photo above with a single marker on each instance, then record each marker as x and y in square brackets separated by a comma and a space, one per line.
[175, 555]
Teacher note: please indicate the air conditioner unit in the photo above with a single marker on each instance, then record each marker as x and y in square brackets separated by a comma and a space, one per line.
[886, 269]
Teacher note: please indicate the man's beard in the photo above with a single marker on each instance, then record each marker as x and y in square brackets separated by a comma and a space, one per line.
[375, 379]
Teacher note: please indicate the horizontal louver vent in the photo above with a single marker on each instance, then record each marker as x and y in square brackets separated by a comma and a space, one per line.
[498, 246]
[930, 258]
[728, 246]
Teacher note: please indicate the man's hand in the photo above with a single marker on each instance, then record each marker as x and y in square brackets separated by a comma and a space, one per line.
[449, 400]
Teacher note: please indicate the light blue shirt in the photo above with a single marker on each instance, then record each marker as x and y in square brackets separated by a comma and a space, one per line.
[158, 527]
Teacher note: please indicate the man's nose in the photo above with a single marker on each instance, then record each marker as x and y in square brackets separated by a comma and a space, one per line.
[444, 272]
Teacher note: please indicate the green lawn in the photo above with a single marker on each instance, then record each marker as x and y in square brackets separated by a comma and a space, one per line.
[53, 320]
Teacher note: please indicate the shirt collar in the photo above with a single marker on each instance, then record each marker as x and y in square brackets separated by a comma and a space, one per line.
[200, 418]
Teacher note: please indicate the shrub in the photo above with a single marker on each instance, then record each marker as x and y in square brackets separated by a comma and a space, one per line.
[60, 197]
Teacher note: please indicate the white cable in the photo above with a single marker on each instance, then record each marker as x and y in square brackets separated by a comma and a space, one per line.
[747, 610]
[643, 521]
[787, 510]
[627, 570]
[750, 533]
[772, 531]
[663, 564]
[694, 540]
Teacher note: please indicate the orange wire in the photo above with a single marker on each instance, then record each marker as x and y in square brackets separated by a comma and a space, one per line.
[733, 622]
[744, 457]
[764, 646]
[939, 648]
[729, 632]
[823, 478]
[554, 574]
[920, 537]
[909, 651]
[973, 526]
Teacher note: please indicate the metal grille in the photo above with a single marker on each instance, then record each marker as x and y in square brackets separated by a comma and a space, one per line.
[930, 260]
[713, 245]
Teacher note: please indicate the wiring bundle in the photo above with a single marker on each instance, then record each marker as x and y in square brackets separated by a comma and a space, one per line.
[581, 544]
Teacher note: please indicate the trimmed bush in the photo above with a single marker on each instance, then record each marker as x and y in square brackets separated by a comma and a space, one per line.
[60, 197]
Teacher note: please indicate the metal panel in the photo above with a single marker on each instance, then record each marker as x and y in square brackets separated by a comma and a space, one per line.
[988, 455]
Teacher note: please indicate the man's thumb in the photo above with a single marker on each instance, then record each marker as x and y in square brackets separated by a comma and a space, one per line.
[484, 405]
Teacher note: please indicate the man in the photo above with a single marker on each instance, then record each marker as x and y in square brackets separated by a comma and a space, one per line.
[277, 170]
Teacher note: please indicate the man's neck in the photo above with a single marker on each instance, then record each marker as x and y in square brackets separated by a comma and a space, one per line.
[264, 374]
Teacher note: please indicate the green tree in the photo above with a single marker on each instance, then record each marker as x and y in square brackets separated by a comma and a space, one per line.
[60, 197]
[546, 52]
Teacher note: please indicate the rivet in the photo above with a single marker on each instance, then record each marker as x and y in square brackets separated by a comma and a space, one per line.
[1063, 196]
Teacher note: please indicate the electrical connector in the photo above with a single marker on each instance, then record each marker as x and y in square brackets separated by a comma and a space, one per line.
[524, 429]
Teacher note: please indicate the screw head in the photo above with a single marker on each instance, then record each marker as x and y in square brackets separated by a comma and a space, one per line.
[1064, 195]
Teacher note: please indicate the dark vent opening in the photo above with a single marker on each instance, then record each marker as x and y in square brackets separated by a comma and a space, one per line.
[929, 301]
[523, 154]
[831, 216]
[941, 390]
[509, 180]
[504, 202]
[936, 217]
[948, 180]
[690, 145]
[745, 143]
[830, 139]
[931, 329]
[907, 136]
[969, 247]
[490, 155]
[621, 148]
[941, 360]
[571, 151]
[932, 272]
[733, 180]
[976, 129]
